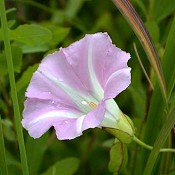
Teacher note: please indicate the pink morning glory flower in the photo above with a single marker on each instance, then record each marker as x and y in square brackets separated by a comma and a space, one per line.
[73, 88]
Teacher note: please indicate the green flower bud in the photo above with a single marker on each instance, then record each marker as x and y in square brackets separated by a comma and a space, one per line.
[124, 129]
[118, 157]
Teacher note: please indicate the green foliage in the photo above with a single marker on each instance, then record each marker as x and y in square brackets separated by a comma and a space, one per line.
[17, 61]
[162, 9]
[30, 34]
[66, 166]
[154, 31]
[7, 130]
[3, 163]
[35, 151]
[168, 60]
[118, 157]
[26, 76]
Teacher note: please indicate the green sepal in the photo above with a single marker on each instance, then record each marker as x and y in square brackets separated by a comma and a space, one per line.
[124, 130]
[118, 157]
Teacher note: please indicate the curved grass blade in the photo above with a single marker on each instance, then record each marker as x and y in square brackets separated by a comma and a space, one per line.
[168, 63]
[128, 11]
[143, 69]
[163, 134]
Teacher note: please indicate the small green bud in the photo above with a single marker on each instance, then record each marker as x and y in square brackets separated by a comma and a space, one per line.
[124, 130]
[118, 157]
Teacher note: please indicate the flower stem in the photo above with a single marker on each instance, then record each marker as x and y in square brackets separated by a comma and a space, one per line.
[4, 169]
[5, 33]
[150, 147]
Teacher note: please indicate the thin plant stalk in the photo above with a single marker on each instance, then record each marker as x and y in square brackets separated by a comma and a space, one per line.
[4, 169]
[8, 53]
[141, 65]
[163, 150]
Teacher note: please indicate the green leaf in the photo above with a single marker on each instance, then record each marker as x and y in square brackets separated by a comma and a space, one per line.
[73, 8]
[3, 162]
[8, 131]
[17, 60]
[141, 32]
[154, 121]
[118, 157]
[163, 8]
[26, 77]
[11, 23]
[34, 48]
[66, 166]
[14, 166]
[31, 34]
[138, 92]
[156, 114]
[153, 29]
[142, 6]
[3, 105]
[168, 60]
[35, 150]
[163, 134]
[103, 22]
[58, 33]
[171, 173]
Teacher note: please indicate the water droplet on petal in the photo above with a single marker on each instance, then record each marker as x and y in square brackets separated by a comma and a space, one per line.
[65, 121]
[84, 102]
[53, 102]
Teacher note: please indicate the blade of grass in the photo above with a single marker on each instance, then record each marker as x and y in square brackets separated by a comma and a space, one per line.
[128, 11]
[20, 137]
[38, 5]
[168, 60]
[141, 65]
[3, 164]
[157, 111]
[163, 134]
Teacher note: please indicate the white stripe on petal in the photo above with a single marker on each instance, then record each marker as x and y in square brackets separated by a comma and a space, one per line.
[79, 99]
[113, 108]
[112, 115]
[95, 83]
[80, 123]
[53, 114]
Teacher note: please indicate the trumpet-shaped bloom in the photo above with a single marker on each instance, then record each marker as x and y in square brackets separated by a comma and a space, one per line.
[73, 88]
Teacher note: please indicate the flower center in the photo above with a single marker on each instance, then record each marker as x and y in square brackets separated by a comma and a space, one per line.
[85, 102]
[92, 105]
[89, 105]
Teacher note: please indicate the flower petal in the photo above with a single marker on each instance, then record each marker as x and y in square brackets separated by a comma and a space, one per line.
[72, 88]
[99, 59]
[117, 82]
[41, 88]
[82, 52]
[95, 117]
[75, 126]
[56, 65]
[112, 114]
[76, 55]
[40, 115]
[115, 60]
